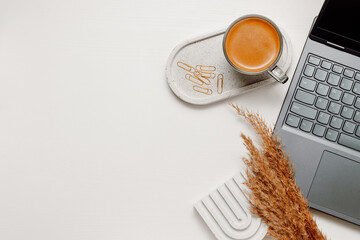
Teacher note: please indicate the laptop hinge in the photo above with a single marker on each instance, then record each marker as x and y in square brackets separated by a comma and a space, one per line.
[335, 45]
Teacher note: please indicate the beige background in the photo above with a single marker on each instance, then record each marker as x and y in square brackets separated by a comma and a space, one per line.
[93, 144]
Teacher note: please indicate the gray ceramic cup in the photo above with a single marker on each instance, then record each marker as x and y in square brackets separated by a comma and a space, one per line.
[273, 70]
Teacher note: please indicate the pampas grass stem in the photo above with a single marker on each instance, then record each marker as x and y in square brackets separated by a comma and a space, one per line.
[274, 196]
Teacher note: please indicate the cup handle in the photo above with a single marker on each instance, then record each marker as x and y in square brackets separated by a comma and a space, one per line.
[278, 74]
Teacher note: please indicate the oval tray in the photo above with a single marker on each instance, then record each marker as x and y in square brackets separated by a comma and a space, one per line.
[204, 54]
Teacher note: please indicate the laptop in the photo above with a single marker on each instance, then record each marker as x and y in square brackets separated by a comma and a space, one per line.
[319, 122]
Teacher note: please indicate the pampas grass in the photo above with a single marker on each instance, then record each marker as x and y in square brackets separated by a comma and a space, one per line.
[274, 196]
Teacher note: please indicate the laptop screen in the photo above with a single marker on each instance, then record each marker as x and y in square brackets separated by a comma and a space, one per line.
[338, 23]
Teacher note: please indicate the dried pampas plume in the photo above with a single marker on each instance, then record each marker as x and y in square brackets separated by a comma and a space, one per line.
[274, 196]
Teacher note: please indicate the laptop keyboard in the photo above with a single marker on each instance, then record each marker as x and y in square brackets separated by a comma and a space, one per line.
[326, 102]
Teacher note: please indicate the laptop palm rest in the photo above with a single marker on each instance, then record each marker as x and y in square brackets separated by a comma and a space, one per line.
[336, 185]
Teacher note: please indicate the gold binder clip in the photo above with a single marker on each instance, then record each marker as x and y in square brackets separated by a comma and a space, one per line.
[220, 83]
[208, 75]
[193, 79]
[204, 68]
[203, 90]
[186, 67]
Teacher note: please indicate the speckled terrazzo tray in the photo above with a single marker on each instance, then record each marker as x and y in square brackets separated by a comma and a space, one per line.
[203, 56]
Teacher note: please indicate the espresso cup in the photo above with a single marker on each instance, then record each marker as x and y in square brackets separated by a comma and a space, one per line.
[253, 45]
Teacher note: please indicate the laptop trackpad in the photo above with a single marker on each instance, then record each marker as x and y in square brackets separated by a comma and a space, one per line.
[337, 185]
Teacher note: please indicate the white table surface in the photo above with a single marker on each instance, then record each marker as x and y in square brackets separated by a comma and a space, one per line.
[93, 144]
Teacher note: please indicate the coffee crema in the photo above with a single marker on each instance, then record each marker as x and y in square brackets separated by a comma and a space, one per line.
[252, 44]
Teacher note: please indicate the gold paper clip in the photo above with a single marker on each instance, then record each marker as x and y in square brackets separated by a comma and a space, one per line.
[203, 90]
[202, 78]
[220, 83]
[208, 75]
[186, 67]
[204, 68]
[193, 79]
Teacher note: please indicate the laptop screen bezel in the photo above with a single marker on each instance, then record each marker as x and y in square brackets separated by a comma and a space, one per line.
[336, 40]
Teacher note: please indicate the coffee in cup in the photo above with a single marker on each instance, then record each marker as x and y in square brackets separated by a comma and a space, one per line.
[253, 45]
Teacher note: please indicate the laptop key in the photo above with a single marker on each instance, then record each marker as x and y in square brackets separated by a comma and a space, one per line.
[320, 75]
[349, 73]
[314, 60]
[348, 99]
[321, 103]
[309, 70]
[303, 110]
[357, 117]
[334, 108]
[326, 65]
[331, 135]
[292, 120]
[319, 130]
[306, 125]
[357, 76]
[335, 94]
[357, 103]
[322, 89]
[357, 88]
[336, 122]
[333, 79]
[305, 97]
[346, 84]
[347, 112]
[323, 118]
[337, 69]
[307, 84]
[358, 131]
[349, 141]
[349, 127]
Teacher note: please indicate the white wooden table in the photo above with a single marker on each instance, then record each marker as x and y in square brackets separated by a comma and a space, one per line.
[93, 144]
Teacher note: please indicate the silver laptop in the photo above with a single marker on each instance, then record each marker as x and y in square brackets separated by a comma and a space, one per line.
[319, 122]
